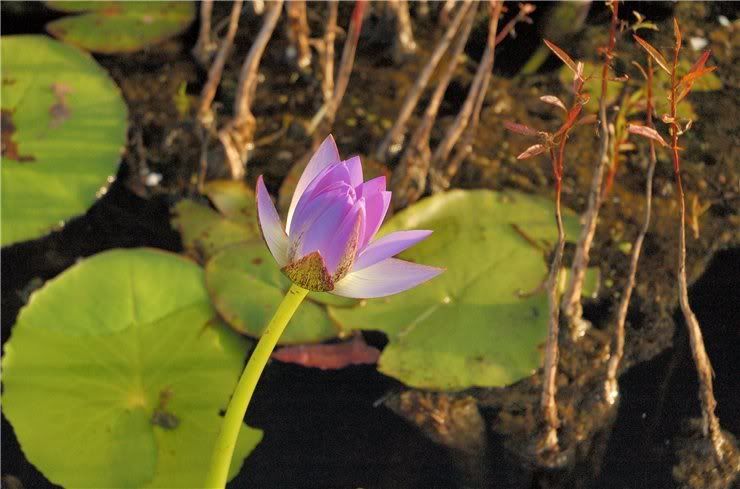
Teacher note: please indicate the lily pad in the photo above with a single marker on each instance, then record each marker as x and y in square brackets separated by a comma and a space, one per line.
[119, 27]
[482, 322]
[246, 287]
[63, 132]
[116, 371]
[205, 231]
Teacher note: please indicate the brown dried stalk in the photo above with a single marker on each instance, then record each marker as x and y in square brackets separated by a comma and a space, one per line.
[409, 178]
[327, 82]
[217, 68]
[395, 134]
[238, 134]
[324, 118]
[405, 43]
[477, 88]
[611, 387]
[443, 169]
[204, 46]
[571, 302]
[298, 32]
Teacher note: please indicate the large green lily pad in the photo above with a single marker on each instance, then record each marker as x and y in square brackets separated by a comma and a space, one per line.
[63, 131]
[246, 287]
[205, 231]
[119, 27]
[116, 371]
[483, 321]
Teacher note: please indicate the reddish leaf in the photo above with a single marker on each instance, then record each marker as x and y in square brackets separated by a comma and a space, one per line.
[647, 132]
[563, 56]
[654, 53]
[587, 119]
[520, 128]
[687, 82]
[330, 357]
[553, 100]
[677, 33]
[533, 150]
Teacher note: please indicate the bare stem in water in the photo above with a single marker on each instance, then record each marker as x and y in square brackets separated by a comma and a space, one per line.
[611, 386]
[298, 32]
[571, 302]
[204, 46]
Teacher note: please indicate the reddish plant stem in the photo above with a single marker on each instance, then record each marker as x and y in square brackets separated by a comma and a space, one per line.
[326, 115]
[548, 403]
[611, 387]
[217, 68]
[409, 178]
[711, 426]
[395, 134]
[571, 302]
[298, 32]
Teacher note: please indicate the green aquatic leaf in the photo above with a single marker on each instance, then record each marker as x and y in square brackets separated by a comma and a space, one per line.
[246, 286]
[63, 132]
[205, 231]
[482, 322]
[115, 373]
[119, 27]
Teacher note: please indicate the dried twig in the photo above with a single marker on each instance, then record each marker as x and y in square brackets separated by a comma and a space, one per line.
[327, 81]
[571, 302]
[204, 46]
[443, 169]
[298, 32]
[327, 113]
[237, 136]
[395, 134]
[409, 178]
[611, 386]
[405, 43]
[217, 68]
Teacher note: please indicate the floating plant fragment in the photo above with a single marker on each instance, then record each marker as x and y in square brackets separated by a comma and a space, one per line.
[63, 132]
[119, 27]
[246, 286]
[482, 322]
[116, 370]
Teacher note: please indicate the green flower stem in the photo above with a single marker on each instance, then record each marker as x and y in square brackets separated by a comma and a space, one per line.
[224, 448]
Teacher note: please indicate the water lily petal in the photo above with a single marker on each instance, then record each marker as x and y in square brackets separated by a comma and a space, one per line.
[326, 155]
[354, 165]
[272, 228]
[318, 233]
[371, 187]
[377, 207]
[388, 246]
[341, 250]
[387, 277]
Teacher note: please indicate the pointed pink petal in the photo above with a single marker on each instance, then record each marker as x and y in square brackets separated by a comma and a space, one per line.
[354, 165]
[318, 233]
[377, 206]
[388, 246]
[326, 155]
[341, 249]
[371, 187]
[387, 277]
[272, 228]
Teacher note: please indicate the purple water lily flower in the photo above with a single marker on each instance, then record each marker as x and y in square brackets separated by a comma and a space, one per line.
[326, 243]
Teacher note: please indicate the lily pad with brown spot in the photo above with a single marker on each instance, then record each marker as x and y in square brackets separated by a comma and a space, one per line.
[119, 27]
[63, 132]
